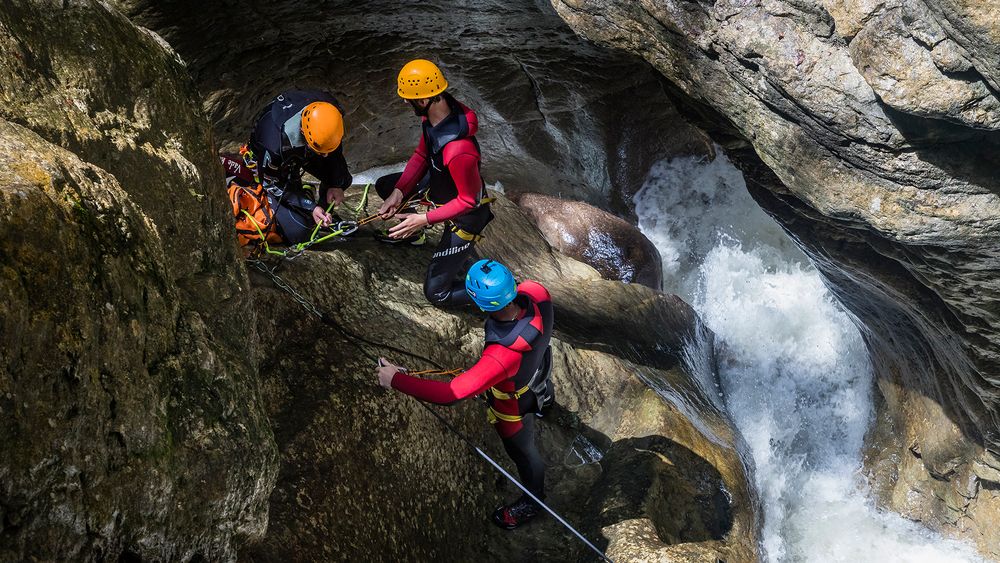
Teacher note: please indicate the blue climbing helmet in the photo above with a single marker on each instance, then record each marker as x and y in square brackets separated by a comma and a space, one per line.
[490, 285]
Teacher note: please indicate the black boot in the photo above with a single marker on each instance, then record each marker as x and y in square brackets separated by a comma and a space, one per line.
[513, 515]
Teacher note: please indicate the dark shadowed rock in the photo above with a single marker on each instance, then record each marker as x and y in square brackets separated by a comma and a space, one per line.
[611, 245]
[131, 423]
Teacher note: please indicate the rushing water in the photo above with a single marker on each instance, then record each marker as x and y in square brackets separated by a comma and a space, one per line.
[793, 368]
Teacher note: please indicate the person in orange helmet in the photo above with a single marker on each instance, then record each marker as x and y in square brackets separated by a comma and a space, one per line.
[444, 170]
[300, 131]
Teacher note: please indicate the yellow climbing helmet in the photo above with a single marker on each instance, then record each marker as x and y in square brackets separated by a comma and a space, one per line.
[322, 127]
[421, 79]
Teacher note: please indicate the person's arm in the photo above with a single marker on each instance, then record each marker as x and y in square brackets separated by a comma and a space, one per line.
[415, 169]
[464, 170]
[331, 170]
[496, 364]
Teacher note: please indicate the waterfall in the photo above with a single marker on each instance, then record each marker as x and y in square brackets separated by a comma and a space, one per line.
[794, 372]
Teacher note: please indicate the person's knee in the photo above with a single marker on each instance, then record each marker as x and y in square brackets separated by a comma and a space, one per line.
[436, 294]
[385, 184]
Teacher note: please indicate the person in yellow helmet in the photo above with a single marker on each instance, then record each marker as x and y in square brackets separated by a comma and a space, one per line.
[300, 131]
[445, 170]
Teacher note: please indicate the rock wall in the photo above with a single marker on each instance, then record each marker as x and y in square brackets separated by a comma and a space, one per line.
[557, 114]
[874, 141]
[127, 384]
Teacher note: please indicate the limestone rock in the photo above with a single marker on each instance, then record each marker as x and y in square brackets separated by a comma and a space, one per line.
[608, 243]
[880, 157]
[906, 75]
[125, 395]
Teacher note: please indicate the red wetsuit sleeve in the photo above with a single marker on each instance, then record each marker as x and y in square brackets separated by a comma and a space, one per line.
[415, 169]
[535, 291]
[464, 170]
[496, 364]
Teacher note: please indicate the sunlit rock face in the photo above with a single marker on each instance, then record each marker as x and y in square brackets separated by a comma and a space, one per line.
[874, 134]
[127, 380]
[557, 114]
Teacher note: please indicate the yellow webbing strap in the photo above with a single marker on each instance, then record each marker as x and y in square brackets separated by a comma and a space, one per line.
[504, 396]
[494, 416]
[466, 235]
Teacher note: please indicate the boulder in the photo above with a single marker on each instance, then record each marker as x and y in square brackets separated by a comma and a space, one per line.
[639, 456]
[611, 245]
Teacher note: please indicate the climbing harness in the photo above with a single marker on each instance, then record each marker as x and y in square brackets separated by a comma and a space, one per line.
[538, 384]
[465, 235]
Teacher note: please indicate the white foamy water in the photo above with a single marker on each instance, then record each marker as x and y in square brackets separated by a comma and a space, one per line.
[793, 368]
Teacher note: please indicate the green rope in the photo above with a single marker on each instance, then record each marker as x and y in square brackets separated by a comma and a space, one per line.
[363, 204]
[302, 246]
[312, 237]
[267, 247]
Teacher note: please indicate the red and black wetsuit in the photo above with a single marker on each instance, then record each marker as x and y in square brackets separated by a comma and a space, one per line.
[514, 351]
[445, 165]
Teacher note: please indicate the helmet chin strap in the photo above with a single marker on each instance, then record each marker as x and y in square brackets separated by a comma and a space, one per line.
[417, 110]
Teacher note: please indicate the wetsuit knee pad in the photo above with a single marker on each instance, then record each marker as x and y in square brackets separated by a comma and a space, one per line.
[385, 184]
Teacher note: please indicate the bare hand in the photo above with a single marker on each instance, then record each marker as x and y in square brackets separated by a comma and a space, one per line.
[335, 196]
[321, 217]
[412, 222]
[386, 371]
[391, 204]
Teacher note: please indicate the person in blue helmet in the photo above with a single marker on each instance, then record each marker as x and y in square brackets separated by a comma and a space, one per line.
[513, 371]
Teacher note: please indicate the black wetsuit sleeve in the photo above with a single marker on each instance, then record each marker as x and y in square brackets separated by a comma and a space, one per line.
[331, 170]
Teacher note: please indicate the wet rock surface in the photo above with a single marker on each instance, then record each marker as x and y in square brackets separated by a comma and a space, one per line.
[611, 245]
[557, 114]
[131, 423]
[640, 459]
[874, 140]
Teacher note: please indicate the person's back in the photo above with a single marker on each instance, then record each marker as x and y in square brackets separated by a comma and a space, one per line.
[300, 131]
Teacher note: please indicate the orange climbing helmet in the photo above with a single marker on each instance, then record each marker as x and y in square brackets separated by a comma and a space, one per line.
[419, 79]
[322, 127]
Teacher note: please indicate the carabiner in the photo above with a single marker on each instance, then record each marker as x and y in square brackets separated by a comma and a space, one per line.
[347, 227]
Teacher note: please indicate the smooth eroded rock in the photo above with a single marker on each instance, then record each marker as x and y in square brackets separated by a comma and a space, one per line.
[352, 452]
[556, 112]
[611, 245]
[130, 417]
